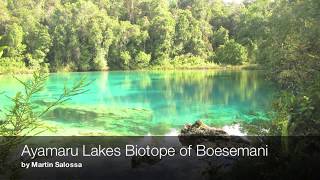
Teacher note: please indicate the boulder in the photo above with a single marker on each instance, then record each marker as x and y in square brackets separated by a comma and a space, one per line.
[200, 133]
[201, 129]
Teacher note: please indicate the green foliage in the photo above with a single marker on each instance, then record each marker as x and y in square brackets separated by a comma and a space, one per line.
[22, 119]
[220, 37]
[188, 61]
[227, 16]
[2, 48]
[188, 35]
[291, 54]
[231, 53]
[141, 60]
[82, 35]
[286, 40]
[125, 59]
[161, 34]
[14, 40]
[297, 114]
[11, 65]
[129, 39]
[200, 8]
[38, 43]
[254, 26]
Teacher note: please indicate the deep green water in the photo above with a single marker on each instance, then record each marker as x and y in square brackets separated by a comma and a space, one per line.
[157, 103]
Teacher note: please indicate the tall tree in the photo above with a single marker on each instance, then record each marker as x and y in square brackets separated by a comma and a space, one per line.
[161, 33]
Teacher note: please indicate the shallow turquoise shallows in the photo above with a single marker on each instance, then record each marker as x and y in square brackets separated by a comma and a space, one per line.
[150, 103]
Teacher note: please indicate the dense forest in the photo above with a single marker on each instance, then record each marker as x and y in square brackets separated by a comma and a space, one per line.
[96, 34]
[282, 36]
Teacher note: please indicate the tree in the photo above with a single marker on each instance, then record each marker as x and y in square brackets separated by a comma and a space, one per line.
[188, 35]
[227, 16]
[200, 8]
[231, 53]
[38, 43]
[14, 40]
[2, 48]
[129, 40]
[220, 37]
[254, 26]
[82, 34]
[161, 34]
[291, 57]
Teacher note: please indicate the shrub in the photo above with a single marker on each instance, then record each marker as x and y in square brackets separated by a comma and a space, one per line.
[125, 59]
[23, 120]
[220, 37]
[10, 65]
[99, 62]
[231, 53]
[188, 60]
[141, 60]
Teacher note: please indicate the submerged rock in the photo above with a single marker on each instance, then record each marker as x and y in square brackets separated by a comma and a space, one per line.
[42, 102]
[73, 114]
[92, 113]
[118, 120]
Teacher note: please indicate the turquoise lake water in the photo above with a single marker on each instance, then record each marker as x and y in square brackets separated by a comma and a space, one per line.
[157, 103]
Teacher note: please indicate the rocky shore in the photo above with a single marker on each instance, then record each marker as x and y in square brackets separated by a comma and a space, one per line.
[200, 133]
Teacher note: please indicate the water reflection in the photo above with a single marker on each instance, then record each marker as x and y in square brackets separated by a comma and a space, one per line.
[173, 97]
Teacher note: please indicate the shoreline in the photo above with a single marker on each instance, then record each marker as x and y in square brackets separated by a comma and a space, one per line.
[217, 67]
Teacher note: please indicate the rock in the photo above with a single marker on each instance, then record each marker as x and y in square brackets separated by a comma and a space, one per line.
[72, 114]
[201, 129]
[42, 102]
[200, 133]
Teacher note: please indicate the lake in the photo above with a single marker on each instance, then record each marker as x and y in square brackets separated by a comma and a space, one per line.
[150, 103]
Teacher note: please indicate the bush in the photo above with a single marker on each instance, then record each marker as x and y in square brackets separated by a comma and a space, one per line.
[231, 53]
[141, 60]
[10, 65]
[188, 60]
[125, 59]
[220, 37]
[99, 62]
